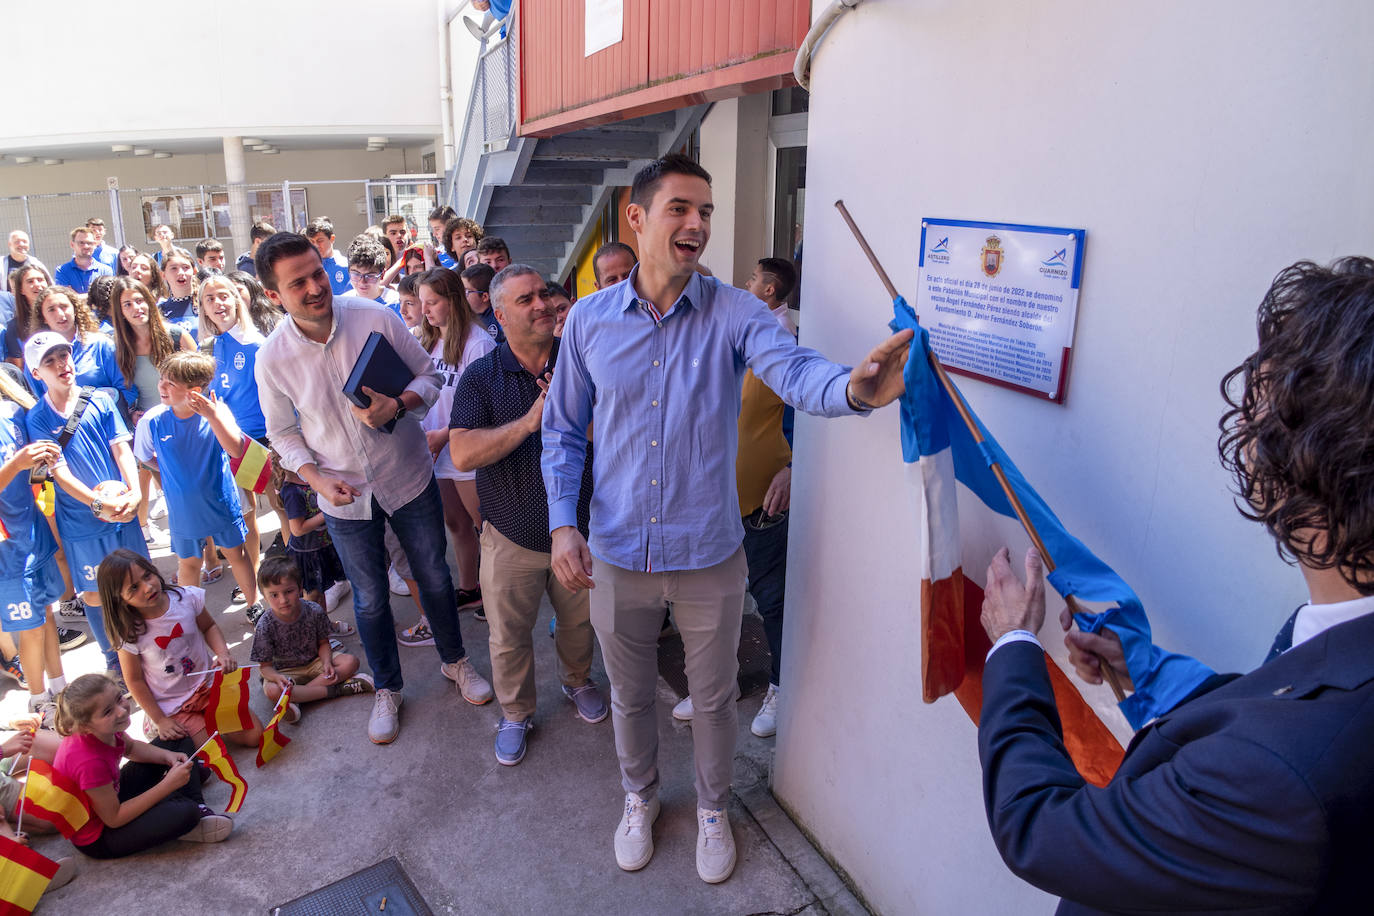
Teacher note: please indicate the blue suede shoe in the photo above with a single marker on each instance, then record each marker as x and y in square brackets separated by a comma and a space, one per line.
[591, 706]
[510, 741]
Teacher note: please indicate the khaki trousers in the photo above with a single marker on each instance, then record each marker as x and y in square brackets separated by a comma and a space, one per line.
[627, 612]
[514, 580]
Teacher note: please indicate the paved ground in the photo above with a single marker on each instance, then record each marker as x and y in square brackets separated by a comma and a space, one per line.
[474, 836]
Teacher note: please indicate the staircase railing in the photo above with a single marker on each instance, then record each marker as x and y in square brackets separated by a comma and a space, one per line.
[489, 125]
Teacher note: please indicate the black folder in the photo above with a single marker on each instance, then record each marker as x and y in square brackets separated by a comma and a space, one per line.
[380, 368]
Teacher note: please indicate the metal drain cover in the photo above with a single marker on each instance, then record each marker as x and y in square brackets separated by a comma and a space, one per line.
[383, 889]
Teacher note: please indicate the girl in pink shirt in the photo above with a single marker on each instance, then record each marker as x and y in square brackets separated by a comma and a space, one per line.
[153, 798]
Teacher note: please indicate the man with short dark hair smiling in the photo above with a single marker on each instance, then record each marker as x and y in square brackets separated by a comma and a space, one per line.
[363, 475]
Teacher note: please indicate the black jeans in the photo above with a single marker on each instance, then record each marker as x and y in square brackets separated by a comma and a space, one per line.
[167, 820]
[765, 550]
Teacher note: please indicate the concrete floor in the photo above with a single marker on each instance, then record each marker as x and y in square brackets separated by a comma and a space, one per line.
[474, 836]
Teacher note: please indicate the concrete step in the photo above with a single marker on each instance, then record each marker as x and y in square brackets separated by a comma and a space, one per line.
[533, 214]
[530, 234]
[571, 194]
[545, 266]
[598, 146]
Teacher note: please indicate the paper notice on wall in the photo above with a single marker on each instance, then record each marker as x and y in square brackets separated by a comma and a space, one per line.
[1000, 300]
[605, 24]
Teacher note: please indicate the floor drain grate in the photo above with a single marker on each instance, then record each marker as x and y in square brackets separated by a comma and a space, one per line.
[383, 888]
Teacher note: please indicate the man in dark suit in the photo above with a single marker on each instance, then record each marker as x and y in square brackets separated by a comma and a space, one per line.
[1256, 793]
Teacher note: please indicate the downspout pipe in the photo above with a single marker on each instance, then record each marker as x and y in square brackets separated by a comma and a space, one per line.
[801, 69]
[445, 19]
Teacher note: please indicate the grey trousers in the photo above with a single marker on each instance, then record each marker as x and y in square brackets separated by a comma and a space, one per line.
[627, 613]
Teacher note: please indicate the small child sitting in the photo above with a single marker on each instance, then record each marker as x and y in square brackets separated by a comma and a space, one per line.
[153, 798]
[292, 644]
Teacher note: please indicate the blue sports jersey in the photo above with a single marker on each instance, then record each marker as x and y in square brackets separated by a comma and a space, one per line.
[202, 498]
[88, 456]
[234, 382]
[337, 268]
[30, 542]
[445, 261]
[94, 358]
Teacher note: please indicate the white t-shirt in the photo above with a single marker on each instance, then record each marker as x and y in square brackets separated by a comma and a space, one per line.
[479, 344]
[172, 647]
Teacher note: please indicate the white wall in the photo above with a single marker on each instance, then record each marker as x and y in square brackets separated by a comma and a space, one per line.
[734, 149]
[1203, 149]
[149, 69]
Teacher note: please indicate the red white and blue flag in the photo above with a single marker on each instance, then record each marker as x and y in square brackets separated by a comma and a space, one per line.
[964, 517]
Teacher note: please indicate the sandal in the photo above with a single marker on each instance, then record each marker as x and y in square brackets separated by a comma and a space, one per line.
[207, 576]
[343, 628]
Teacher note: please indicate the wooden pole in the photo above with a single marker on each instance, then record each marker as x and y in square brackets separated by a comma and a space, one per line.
[967, 416]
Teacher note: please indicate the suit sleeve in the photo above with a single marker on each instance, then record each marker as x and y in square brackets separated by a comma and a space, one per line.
[1222, 823]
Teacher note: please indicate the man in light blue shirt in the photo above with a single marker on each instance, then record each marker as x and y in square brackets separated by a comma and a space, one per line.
[83, 267]
[661, 358]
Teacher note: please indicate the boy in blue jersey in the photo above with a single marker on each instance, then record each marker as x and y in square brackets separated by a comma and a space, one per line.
[366, 264]
[190, 440]
[97, 451]
[321, 235]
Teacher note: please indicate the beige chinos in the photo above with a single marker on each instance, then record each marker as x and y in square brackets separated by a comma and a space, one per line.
[627, 612]
[514, 580]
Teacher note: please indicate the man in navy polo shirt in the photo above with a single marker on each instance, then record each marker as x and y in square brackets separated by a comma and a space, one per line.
[83, 267]
[321, 235]
[495, 429]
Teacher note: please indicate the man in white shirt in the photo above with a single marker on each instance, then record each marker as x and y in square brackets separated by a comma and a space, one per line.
[1255, 793]
[364, 476]
[17, 256]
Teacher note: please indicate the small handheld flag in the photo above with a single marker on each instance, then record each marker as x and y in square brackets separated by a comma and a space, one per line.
[272, 738]
[53, 797]
[24, 876]
[45, 497]
[216, 757]
[253, 469]
[227, 710]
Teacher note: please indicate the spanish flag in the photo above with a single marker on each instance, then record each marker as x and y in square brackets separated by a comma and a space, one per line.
[227, 710]
[253, 469]
[272, 738]
[216, 757]
[24, 875]
[45, 497]
[55, 798]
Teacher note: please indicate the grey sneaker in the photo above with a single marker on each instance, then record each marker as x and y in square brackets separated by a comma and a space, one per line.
[474, 688]
[683, 711]
[510, 740]
[71, 609]
[45, 706]
[634, 837]
[212, 828]
[715, 845]
[386, 717]
[591, 706]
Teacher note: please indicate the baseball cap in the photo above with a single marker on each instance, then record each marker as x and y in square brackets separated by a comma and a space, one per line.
[40, 345]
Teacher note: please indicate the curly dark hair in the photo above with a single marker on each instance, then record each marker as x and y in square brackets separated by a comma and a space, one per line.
[1299, 435]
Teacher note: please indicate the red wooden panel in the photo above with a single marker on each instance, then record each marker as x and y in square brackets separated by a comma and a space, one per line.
[664, 42]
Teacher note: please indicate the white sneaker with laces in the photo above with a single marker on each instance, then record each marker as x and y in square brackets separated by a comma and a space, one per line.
[157, 507]
[634, 838]
[397, 584]
[385, 722]
[683, 711]
[715, 845]
[336, 593]
[765, 724]
[474, 688]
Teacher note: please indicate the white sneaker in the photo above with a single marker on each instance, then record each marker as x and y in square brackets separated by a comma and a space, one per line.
[212, 828]
[398, 585]
[683, 711]
[634, 838]
[386, 717]
[715, 846]
[474, 688]
[765, 724]
[336, 593]
[157, 507]
[154, 536]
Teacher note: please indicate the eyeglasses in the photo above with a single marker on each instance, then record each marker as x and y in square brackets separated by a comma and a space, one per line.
[474, 292]
[368, 278]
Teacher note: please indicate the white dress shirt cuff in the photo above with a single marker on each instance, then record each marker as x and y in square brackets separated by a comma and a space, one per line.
[1010, 637]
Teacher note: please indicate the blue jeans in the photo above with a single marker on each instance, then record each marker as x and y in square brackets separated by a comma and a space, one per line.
[419, 526]
[766, 552]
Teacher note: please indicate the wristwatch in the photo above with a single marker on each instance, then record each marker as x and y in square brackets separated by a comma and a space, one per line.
[96, 507]
[400, 409]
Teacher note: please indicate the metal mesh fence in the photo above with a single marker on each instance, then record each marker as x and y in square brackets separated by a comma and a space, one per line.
[197, 212]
